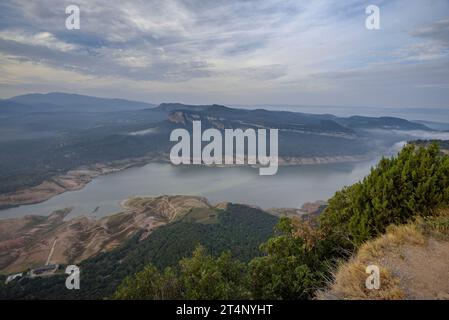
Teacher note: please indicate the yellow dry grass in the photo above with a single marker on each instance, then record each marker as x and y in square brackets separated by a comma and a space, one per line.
[385, 252]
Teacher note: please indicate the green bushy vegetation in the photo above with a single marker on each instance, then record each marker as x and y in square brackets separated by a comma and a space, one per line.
[292, 266]
[200, 277]
[415, 183]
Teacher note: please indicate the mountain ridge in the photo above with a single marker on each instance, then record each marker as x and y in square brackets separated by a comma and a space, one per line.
[68, 100]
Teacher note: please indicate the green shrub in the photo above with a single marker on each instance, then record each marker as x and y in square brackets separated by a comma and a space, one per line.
[414, 183]
[199, 277]
[290, 268]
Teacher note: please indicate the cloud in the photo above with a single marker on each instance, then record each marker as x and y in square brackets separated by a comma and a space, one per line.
[41, 39]
[283, 51]
[438, 30]
[434, 44]
[419, 134]
[421, 51]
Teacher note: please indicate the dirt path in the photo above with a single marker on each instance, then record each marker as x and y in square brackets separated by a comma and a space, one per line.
[51, 252]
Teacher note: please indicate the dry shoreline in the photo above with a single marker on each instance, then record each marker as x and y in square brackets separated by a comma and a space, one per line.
[76, 179]
[72, 180]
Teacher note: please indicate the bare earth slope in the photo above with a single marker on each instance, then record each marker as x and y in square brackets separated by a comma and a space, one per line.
[26, 242]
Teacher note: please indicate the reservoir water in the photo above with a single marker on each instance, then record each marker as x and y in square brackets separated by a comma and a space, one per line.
[290, 187]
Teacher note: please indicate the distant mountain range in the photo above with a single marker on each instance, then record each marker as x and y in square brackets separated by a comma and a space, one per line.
[56, 101]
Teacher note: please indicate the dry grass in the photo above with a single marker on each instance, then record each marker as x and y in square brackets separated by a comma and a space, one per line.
[394, 252]
[350, 284]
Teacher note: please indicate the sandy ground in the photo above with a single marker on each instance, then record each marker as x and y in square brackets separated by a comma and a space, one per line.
[423, 271]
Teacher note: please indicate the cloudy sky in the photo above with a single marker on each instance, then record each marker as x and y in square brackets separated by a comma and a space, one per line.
[305, 52]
